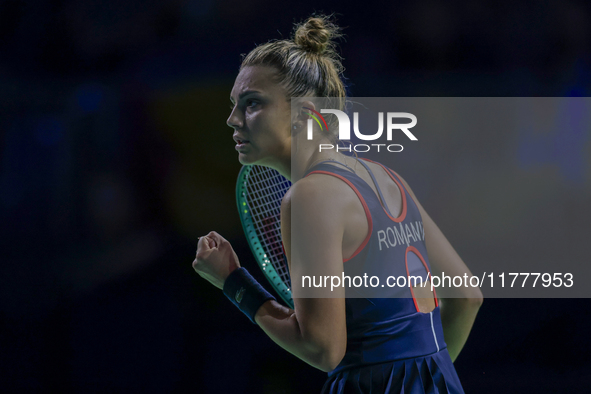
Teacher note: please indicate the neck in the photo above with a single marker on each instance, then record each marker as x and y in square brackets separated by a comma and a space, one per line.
[281, 163]
[303, 160]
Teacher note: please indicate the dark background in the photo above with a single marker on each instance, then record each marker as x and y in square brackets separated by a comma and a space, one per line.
[115, 157]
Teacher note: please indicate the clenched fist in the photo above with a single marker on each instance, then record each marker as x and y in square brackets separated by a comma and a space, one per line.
[215, 259]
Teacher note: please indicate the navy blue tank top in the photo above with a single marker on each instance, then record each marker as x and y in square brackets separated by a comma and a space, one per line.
[386, 329]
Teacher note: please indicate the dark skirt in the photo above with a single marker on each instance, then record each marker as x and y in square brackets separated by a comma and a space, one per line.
[432, 374]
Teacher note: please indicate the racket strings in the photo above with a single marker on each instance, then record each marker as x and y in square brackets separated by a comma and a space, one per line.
[264, 192]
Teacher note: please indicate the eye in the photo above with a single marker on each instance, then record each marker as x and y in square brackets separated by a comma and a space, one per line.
[251, 103]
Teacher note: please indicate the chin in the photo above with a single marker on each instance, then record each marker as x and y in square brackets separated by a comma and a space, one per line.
[246, 160]
[249, 159]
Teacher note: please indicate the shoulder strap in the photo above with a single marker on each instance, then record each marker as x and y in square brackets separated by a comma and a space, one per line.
[375, 182]
[334, 162]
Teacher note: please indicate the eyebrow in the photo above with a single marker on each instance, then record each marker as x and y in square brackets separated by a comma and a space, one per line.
[243, 94]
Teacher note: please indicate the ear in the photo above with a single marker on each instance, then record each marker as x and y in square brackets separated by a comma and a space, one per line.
[300, 118]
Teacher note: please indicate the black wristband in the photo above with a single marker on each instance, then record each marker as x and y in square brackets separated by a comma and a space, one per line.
[245, 292]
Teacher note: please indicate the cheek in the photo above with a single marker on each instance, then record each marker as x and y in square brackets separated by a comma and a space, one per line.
[270, 127]
[264, 128]
[281, 124]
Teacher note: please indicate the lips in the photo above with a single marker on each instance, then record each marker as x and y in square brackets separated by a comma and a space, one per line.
[239, 139]
[240, 142]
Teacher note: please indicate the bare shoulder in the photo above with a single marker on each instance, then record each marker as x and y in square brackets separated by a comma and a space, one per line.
[317, 192]
[313, 209]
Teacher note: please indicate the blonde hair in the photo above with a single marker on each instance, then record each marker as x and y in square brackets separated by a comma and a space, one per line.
[307, 65]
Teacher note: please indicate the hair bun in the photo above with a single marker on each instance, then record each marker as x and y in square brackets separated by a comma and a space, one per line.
[315, 34]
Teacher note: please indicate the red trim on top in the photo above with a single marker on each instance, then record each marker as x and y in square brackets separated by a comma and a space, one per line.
[398, 176]
[402, 193]
[365, 208]
[412, 293]
[389, 170]
[415, 251]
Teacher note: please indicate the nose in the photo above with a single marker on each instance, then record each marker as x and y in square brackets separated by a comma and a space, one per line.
[235, 120]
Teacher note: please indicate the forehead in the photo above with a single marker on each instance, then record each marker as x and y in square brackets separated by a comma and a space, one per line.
[256, 78]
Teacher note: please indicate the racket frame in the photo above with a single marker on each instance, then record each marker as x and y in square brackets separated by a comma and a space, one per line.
[254, 242]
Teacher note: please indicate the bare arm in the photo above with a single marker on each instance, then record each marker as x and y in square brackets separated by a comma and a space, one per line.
[307, 335]
[459, 306]
[316, 331]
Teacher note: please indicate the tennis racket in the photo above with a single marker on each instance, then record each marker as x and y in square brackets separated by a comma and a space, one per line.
[259, 191]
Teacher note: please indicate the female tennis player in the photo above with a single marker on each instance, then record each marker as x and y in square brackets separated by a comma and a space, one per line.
[377, 345]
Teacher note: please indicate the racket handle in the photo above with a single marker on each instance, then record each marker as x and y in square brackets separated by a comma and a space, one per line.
[245, 292]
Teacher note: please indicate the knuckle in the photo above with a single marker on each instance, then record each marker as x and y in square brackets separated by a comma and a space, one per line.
[199, 257]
